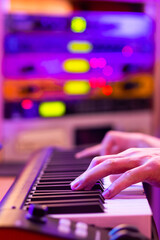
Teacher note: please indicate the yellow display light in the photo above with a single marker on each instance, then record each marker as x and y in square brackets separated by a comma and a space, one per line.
[52, 109]
[78, 24]
[80, 46]
[75, 87]
[76, 65]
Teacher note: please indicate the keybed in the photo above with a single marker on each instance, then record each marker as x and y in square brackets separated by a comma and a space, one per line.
[52, 187]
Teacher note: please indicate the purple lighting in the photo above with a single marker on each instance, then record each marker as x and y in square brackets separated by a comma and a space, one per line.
[107, 71]
[97, 62]
[102, 62]
[127, 51]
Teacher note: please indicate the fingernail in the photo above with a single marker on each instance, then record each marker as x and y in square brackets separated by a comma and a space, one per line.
[107, 193]
[74, 184]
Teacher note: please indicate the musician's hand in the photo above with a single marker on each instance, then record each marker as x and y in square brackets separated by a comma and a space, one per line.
[134, 165]
[115, 142]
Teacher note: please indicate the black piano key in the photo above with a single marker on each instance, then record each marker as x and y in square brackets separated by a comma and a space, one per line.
[85, 207]
[53, 187]
[64, 201]
[62, 173]
[71, 161]
[65, 192]
[62, 181]
[55, 179]
[66, 168]
[63, 187]
[39, 183]
[64, 196]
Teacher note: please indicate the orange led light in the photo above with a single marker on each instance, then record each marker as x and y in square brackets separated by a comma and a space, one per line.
[107, 90]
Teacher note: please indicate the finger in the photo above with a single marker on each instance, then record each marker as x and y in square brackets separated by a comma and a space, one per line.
[97, 160]
[105, 168]
[107, 145]
[114, 177]
[128, 178]
[91, 151]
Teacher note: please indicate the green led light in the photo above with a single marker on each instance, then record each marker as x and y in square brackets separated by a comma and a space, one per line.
[76, 65]
[76, 87]
[78, 24]
[52, 109]
[80, 46]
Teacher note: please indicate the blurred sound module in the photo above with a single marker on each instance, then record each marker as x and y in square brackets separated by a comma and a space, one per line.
[69, 79]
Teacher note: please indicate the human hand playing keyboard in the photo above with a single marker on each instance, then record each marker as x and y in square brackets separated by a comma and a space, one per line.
[134, 157]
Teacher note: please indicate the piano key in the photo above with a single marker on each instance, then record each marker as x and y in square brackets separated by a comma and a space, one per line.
[66, 168]
[65, 192]
[64, 201]
[62, 173]
[84, 207]
[44, 197]
[63, 187]
[62, 181]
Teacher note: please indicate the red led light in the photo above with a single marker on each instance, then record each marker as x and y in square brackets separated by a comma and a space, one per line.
[107, 90]
[127, 51]
[93, 82]
[101, 82]
[108, 70]
[97, 82]
[27, 104]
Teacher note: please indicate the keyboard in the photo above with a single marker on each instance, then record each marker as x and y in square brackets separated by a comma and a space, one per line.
[45, 181]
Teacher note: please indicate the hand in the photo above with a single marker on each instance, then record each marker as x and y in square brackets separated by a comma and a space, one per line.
[115, 142]
[134, 165]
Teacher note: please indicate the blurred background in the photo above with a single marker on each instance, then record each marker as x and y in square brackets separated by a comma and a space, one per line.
[73, 70]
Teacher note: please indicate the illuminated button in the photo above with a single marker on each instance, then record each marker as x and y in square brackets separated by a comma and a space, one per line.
[64, 229]
[64, 225]
[81, 230]
[80, 46]
[102, 62]
[97, 82]
[78, 24]
[97, 62]
[76, 87]
[27, 104]
[81, 225]
[107, 90]
[65, 222]
[76, 65]
[52, 109]
[93, 63]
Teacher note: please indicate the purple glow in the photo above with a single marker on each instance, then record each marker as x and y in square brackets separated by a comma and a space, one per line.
[93, 63]
[97, 62]
[102, 62]
[108, 70]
